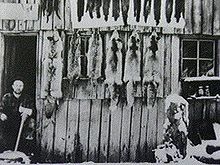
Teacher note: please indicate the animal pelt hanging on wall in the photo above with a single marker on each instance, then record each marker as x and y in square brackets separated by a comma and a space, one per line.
[169, 10]
[80, 9]
[157, 11]
[137, 9]
[179, 8]
[151, 70]
[105, 8]
[132, 65]
[113, 70]
[95, 53]
[147, 9]
[115, 9]
[52, 66]
[50, 6]
[124, 9]
[74, 54]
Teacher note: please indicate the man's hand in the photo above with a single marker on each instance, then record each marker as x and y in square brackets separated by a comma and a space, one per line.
[3, 117]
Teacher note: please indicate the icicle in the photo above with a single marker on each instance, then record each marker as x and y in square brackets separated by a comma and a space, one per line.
[116, 9]
[80, 9]
[132, 65]
[157, 11]
[105, 7]
[124, 9]
[95, 56]
[74, 66]
[147, 8]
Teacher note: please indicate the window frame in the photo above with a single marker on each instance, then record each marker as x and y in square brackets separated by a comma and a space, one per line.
[198, 59]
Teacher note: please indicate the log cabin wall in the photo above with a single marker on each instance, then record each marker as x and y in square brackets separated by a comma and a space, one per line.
[82, 128]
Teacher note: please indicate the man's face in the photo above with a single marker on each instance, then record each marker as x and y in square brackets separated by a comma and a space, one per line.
[18, 86]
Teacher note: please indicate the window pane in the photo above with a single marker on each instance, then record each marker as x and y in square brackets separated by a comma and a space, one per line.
[206, 49]
[189, 68]
[189, 49]
[205, 66]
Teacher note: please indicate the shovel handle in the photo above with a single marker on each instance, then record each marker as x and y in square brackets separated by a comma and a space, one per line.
[20, 131]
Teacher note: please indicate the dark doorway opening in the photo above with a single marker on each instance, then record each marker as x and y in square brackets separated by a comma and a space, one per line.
[20, 62]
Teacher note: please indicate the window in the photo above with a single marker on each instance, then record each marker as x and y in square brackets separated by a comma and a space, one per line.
[198, 57]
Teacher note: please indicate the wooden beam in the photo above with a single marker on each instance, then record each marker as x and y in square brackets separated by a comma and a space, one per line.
[2, 52]
[216, 28]
[188, 16]
[207, 15]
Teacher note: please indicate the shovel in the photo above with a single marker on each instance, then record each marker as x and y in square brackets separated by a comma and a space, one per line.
[25, 113]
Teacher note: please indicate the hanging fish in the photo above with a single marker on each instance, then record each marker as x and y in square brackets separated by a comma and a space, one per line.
[56, 8]
[132, 65]
[80, 9]
[95, 55]
[105, 8]
[179, 8]
[147, 9]
[98, 4]
[124, 9]
[115, 9]
[74, 66]
[137, 9]
[169, 10]
[90, 7]
[157, 11]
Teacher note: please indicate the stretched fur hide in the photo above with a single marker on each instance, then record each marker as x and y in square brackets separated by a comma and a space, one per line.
[151, 72]
[52, 67]
[95, 56]
[132, 65]
[74, 67]
[113, 70]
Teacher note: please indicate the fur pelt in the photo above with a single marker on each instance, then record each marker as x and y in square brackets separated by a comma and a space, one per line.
[132, 65]
[74, 66]
[113, 70]
[147, 9]
[151, 71]
[52, 66]
[95, 53]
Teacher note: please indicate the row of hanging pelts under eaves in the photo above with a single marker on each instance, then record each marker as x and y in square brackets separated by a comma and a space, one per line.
[114, 76]
[124, 6]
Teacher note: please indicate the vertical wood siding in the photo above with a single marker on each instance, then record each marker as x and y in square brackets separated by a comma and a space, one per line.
[84, 129]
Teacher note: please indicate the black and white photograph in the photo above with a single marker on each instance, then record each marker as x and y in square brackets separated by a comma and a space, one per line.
[110, 82]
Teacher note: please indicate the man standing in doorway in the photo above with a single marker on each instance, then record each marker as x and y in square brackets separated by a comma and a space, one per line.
[11, 112]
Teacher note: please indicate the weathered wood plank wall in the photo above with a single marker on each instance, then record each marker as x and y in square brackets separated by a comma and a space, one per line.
[202, 17]
[83, 128]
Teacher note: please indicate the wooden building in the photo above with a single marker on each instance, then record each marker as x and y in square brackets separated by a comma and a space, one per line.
[75, 120]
